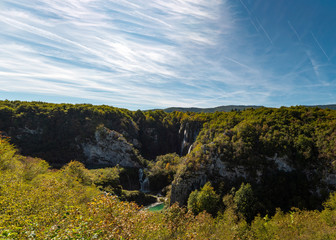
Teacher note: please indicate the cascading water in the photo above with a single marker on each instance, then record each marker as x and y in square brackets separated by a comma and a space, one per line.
[184, 141]
[190, 148]
[188, 133]
[144, 183]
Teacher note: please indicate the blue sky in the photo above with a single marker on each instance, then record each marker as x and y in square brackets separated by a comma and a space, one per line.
[162, 53]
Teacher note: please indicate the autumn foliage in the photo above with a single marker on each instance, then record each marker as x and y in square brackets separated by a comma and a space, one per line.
[39, 203]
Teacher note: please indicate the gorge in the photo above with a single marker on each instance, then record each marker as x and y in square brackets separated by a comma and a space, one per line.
[286, 154]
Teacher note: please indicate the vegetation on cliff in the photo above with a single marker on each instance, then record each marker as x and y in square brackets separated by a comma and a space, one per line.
[287, 155]
[56, 132]
[37, 202]
[255, 161]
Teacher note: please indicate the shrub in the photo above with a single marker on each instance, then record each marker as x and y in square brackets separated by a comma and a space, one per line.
[246, 201]
[204, 200]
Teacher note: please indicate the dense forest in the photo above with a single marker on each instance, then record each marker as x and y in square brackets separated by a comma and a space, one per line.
[261, 173]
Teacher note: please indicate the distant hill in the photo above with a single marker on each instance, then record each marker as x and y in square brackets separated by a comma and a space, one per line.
[229, 108]
[330, 106]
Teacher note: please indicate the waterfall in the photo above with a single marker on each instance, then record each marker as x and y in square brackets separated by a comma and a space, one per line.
[190, 148]
[184, 142]
[145, 186]
[188, 134]
[140, 175]
[144, 183]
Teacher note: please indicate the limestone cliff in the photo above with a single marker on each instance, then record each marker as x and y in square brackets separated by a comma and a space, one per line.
[276, 170]
[109, 147]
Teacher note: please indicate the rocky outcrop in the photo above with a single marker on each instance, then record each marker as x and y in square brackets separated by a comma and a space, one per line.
[329, 178]
[110, 148]
[223, 170]
[281, 162]
[190, 181]
[181, 188]
[27, 133]
[216, 171]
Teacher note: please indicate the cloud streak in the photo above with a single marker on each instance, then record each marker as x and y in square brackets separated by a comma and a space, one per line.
[319, 45]
[138, 54]
[95, 48]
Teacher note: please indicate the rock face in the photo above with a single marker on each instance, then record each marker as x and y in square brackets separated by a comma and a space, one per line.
[282, 163]
[184, 185]
[181, 189]
[110, 148]
[160, 138]
[216, 171]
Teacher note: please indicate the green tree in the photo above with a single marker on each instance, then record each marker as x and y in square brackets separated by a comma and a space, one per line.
[204, 200]
[76, 171]
[193, 202]
[246, 201]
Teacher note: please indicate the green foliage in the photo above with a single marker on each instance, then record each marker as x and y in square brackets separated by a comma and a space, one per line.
[245, 201]
[32, 167]
[329, 212]
[204, 200]
[108, 179]
[39, 203]
[77, 171]
[161, 172]
[193, 202]
[297, 132]
[52, 131]
[9, 159]
[33, 198]
[294, 225]
[276, 148]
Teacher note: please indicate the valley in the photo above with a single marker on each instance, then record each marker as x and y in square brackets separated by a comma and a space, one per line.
[278, 158]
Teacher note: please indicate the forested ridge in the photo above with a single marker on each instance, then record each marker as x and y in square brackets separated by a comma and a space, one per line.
[266, 173]
[229, 108]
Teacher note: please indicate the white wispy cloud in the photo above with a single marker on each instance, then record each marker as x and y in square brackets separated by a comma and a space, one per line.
[134, 53]
[116, 51]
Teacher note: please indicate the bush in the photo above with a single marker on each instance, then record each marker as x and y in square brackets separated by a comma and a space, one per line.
[107, 179]
[76, 171]
[246, 201]
[204, 200]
